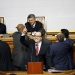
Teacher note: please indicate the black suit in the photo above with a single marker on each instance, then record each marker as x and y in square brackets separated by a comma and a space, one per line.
[5, 57]
[43, 54]
[2, 28]
[37, 27]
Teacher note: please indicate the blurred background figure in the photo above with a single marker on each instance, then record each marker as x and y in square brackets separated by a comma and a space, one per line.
[5, 57]
[20, 51]
[2, 28]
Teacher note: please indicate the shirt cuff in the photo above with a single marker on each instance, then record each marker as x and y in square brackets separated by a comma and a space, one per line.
[22, 34]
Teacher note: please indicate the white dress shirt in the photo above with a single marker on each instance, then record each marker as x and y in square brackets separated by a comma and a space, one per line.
[33, 26]
[39, 46]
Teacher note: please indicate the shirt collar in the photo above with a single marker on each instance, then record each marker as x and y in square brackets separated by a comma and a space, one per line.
[34, 25]
[39, 43]
[64, 39]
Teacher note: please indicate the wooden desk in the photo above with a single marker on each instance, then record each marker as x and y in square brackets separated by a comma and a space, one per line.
[8, 41]
[68, 72]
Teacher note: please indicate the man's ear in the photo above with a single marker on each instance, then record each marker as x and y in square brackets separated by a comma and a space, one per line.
[41, 38]
[56, 38]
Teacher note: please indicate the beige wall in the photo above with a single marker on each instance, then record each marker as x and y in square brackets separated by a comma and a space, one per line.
[58, 13]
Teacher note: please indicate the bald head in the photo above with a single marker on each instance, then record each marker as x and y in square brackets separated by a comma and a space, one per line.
[20, 27]
[60, 37]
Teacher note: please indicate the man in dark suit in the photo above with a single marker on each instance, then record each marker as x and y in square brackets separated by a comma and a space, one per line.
[5, 57]
[33, 25]
[70, 42]
[2, 28]
[19, 53]
[38, 49]
[59, 52]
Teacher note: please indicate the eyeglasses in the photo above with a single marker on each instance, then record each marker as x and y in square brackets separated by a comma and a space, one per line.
[37, 36]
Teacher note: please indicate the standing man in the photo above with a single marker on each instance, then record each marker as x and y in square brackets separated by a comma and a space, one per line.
[2, 28]
[38, 49]
[33, 25]
[60, 55]
[70, 42]
[19, 54]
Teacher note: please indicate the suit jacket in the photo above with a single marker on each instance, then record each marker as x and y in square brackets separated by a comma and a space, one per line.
[43, 54]
[60, 56]
[19, 53]
[2, 28]
[47, 41]
[71, 43]
[37, 27]
[5, 57]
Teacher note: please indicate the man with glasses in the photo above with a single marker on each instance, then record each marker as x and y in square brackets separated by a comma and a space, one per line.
[38, 49]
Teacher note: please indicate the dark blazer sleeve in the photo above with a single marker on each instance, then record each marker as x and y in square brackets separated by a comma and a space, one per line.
[4, 29]
[24, 42]
[48, 58]
[51, 54]
[41, 25]
[71, 43]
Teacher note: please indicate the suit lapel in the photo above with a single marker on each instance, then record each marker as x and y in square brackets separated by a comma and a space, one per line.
[42, 47]
[34, 51]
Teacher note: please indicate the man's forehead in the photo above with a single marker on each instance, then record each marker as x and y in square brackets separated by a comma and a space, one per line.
[31, 18]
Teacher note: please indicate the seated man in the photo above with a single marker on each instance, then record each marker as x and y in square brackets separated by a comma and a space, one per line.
[5, 57]
[2, 28]
[19, 54]
[38, 49]
[59, 52]
[33, 25]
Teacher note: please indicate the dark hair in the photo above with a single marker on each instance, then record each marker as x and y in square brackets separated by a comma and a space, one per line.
[60, 37]
[31, 16]
[43, 32]
[65, 32]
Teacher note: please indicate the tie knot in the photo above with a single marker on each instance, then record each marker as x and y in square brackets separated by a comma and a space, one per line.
[36, 44]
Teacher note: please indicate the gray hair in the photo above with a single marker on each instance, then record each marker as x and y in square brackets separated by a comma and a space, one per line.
[60, 37]
[31, 16]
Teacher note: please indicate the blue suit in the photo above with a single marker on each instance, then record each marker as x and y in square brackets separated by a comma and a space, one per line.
[71, 43]
[61, 58]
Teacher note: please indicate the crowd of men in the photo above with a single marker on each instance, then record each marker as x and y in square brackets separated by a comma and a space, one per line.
[37, 48]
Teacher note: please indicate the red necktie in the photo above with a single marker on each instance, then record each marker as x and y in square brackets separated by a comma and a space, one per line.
[36, 47]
